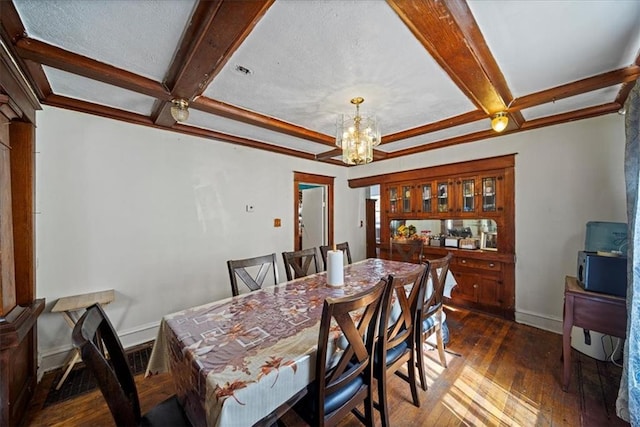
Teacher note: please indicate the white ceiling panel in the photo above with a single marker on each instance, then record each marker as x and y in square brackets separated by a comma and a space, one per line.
[140, 36]
[540, 44]
[307, 74]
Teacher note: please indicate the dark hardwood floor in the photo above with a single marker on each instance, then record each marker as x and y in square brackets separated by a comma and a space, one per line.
[500, 373]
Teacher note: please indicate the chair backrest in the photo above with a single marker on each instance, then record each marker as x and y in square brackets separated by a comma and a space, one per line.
[300, 262]
[344, 247]
[114, 378]
[357, 318]
[238, 268]
[400, 306]
[438, 269]
[411, 251]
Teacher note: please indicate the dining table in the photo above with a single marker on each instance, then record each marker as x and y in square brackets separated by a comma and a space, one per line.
[237, 360]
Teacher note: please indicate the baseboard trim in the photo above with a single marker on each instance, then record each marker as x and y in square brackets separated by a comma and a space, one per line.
[54, 358]
[548, 323]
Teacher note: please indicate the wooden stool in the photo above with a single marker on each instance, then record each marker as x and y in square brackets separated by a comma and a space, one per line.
[69, 307]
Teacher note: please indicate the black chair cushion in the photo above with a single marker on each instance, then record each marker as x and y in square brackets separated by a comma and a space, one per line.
[337, 399]
[169, 413]
[393, 353]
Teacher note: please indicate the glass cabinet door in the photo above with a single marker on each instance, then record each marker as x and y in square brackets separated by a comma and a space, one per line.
[406, 198]
[468, 195]
[426, 198]
[489, 194]
[393, 199]
[443, 196]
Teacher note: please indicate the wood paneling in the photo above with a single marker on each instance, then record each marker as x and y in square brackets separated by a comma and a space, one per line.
[23, 201]
[7, 270]
[19, 309]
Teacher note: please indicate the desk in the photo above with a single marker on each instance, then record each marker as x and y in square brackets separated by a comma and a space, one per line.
[594, 311]
[237, 360]
[69, 307]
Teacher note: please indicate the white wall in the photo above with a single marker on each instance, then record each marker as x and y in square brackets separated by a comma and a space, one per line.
[155, 215]
[566, 175]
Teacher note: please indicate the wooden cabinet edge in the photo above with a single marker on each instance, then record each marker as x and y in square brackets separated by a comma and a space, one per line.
[18, 322]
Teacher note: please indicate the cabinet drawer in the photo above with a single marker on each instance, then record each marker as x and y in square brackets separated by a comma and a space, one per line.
[478, 263]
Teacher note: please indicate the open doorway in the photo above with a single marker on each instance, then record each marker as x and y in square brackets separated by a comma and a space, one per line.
[313, 210]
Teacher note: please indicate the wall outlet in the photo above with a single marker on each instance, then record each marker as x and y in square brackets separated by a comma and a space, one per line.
[249, 208]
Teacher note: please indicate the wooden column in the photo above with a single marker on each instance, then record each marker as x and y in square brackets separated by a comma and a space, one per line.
[19, 308]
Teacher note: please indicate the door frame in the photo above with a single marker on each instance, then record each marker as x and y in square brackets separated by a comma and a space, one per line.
[309, 178]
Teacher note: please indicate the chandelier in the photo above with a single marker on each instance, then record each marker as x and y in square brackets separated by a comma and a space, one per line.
[357, 135]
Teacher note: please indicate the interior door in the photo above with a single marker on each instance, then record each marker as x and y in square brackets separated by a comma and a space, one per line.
[300, 181]
[313, 220]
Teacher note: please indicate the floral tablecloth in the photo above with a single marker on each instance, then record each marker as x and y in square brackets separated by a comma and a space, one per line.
[235, 361]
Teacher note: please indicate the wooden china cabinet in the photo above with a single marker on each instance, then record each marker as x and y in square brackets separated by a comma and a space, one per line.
[19, 308]
[475, 198]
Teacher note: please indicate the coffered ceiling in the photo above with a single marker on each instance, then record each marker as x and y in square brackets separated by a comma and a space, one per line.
[274, 75]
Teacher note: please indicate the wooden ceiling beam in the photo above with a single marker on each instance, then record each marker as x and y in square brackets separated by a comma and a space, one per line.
[624, 75]
[623, 94]
[461, 119]
[584, 113]
[249, 117]
[70, 62]
[377, 154]
[451, 35]
[572, 116]
[216, 30]
[223, 26]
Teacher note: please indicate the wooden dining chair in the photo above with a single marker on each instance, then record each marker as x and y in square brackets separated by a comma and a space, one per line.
[430, 313]
[407, 252]
[298, 263]
[396, 345]
[243, 269]
[344, 247]
[340, 387]
[115, 378]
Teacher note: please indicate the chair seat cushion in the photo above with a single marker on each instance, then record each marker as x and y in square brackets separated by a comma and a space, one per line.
[394, 353]
[337, 399]
[430, 321]
[169, 413]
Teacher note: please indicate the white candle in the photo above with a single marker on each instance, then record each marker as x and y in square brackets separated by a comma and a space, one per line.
[335, 268]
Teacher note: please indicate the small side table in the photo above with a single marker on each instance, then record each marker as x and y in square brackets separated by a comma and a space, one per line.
[602, 313]
[70, 307]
